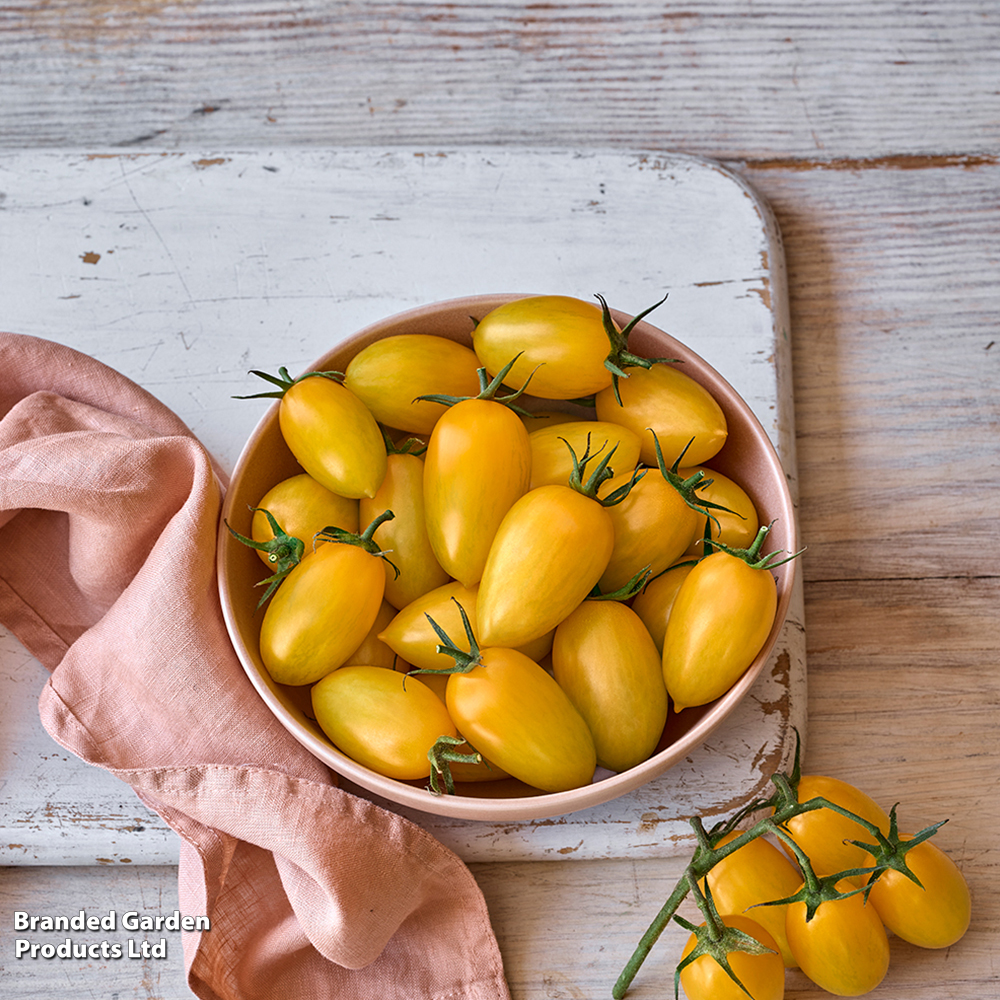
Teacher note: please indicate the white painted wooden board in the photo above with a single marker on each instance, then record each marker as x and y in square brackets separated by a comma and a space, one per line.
[185, 270]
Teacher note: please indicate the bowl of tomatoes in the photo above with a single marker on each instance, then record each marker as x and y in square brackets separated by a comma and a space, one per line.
[505, 557]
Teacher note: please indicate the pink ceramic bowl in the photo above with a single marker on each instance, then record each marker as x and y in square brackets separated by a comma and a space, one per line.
[747, 457]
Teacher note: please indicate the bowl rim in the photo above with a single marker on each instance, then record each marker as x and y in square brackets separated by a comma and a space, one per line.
[520, 807]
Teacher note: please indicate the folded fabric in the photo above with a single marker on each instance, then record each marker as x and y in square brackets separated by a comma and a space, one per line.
[109, 509]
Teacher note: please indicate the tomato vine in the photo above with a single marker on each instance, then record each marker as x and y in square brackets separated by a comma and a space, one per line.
[888, 852]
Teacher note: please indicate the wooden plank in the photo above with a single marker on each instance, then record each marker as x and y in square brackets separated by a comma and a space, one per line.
[781, 79]
[183, 271]
[894, 288]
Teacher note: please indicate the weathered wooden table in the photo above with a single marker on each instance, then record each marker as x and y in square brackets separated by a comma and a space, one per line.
[872, 131]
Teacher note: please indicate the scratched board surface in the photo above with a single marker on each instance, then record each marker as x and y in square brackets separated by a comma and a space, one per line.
[184, 270]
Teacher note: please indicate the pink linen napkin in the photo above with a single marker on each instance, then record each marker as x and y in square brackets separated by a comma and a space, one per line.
[108, 515]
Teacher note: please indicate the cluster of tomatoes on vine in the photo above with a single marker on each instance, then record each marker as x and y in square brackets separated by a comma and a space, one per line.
[824, 900]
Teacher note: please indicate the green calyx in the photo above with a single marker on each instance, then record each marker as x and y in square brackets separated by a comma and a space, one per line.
[365, 540]
[443, 754]
[626, 591]
[284, 382]
[715, 938]
[889, 851]
[751, 555]
[620, 357]
[589, 484]
[488, 390]
[465, 660]
[687, 488]
[284, 552]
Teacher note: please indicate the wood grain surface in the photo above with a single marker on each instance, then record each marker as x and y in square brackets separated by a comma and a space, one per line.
[873, 130]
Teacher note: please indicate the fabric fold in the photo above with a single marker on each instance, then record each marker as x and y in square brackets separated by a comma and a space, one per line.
[109, 509]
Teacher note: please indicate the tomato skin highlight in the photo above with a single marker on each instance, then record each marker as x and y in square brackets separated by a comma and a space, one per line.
[549, 551]
[380, 719]
[321, 613]
[763, 975]
[514, 713]
[388, 375]
[719, 622]
[561, 339]
[404, 539]
[477, 464]
[673, 405]
[822, 833]
[757, 873]
[333, 436]
[844, 949]
[302, 507]
[608, 665]
[935, 916]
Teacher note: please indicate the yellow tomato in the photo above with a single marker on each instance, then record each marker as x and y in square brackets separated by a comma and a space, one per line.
[719, 622]
[653, 603]
[389, 374]
[549, 551]
[381, 719]
[332, 435]
[302, 507]
[757, 873]
[844, 948]
[665, 400]
[552, 461]
[762, 976]
[404, 539]
[608, 664]
[477, 464]
[737, 529]
[515, 714]
[561, 339]
[321, 612]
[823, 833]
[653, 526]
[934, 914]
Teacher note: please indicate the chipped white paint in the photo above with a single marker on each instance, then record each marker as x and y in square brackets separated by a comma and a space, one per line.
[184, 271]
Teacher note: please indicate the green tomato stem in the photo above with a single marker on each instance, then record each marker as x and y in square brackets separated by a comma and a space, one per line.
[620, 357]
[365, 540]
[284, 552]
[464, 661]
[441, 755]
[589, 486]
[284, 382]
[488, 390]
[751, 554]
